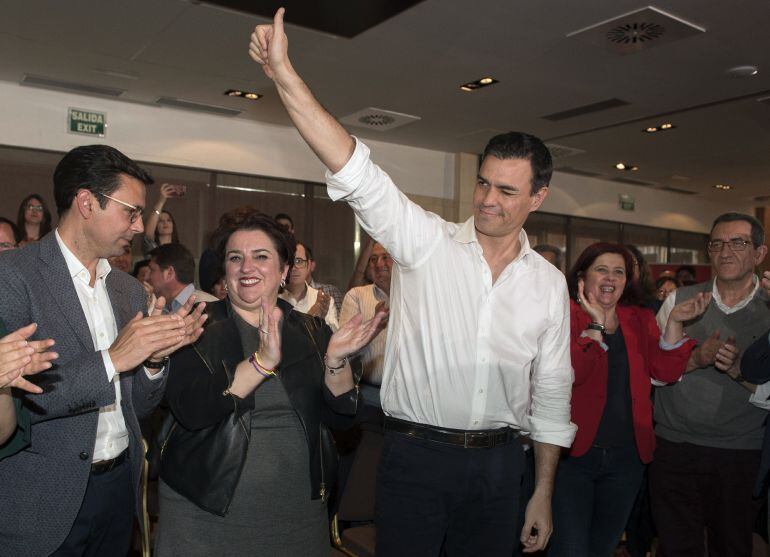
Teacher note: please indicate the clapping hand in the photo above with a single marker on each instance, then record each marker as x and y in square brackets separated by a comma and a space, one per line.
[270, 336]
[353, 336]
[321, 306]
[20, 357]
[726, 358]
[588, 302]
[692, 308]
[192, 317]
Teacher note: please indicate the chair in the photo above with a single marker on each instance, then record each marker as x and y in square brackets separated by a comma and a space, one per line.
[357, 500]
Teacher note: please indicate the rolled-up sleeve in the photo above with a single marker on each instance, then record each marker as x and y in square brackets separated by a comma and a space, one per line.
[552, 378]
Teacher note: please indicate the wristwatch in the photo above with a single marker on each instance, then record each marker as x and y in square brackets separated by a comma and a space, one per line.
[594, 326]
[149, 364]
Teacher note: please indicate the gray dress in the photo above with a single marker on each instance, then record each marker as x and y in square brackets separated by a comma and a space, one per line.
[271, 513]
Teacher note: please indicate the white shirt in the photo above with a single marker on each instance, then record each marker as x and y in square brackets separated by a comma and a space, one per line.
[758, 398]
[364, 300]
[304, 305]
[111, 432]
[463, 352]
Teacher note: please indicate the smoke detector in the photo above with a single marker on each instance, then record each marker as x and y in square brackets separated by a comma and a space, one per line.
[638, 30]
[378, 119]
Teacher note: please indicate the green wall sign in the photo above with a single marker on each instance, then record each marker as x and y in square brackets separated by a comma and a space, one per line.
[87, 122]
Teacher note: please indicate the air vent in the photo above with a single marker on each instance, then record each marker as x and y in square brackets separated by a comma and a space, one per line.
[633, 182]
[378, 119]
[82, 88]
[197, 107]
[579, 172]
[585, 109]
[638, 30]
[678, 190]
[562, 151]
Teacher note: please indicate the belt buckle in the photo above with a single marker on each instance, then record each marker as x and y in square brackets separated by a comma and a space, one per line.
[490, 440]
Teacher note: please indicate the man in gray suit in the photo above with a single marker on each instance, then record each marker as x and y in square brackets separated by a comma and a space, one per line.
[75, 489]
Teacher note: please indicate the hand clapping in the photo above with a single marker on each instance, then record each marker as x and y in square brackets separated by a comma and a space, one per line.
[20, 357]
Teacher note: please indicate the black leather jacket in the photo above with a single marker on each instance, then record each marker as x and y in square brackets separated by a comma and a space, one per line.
[207, 445]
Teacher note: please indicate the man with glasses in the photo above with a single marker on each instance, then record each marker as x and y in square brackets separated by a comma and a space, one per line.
[710, 425]
[75, 490]
[9, 235]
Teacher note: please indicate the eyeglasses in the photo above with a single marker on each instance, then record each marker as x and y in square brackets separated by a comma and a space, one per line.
[35, 208]
[300, 263]
[133, 214]
[736, 244]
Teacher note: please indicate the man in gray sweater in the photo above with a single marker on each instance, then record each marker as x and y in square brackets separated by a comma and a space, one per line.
[710, 424]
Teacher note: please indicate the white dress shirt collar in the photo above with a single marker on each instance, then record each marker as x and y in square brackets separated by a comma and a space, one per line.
[76, 267]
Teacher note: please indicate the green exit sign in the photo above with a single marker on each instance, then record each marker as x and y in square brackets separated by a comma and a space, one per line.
[87, 122]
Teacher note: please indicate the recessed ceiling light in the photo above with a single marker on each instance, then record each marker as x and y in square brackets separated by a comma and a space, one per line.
[243, 94]
[743, 71]
[478, 84]
[723, 187]
[659, 128]
[626, 166]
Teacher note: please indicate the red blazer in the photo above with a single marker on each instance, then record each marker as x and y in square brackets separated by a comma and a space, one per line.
[645, 359]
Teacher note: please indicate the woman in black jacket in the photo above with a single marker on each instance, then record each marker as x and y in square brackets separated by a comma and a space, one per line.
[244, 468]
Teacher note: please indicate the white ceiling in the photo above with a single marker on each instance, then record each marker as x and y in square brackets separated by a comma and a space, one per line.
[415, 62]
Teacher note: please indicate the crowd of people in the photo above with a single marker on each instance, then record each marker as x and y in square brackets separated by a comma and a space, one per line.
[519, 410]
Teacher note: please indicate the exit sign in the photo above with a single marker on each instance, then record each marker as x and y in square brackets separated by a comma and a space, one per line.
[87, 122]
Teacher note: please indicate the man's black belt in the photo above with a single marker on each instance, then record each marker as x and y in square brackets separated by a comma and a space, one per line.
[474, 439]
[106, 465]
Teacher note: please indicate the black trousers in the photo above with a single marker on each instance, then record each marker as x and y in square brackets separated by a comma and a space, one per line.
[694, 487]
[105, 521]
[432, 495]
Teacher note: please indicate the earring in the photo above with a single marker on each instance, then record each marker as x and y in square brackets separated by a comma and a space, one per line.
[226, 289]
[283, 283]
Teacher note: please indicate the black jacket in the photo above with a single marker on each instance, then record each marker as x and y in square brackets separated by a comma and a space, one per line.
[204, 452]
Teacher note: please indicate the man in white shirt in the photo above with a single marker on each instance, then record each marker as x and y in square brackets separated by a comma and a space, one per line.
[75, 490]
[478, 339]
[304, 297]
[368, 300]
[172, 272]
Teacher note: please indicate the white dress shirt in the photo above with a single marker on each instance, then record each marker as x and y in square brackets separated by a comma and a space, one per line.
[364, 300]
[111, 432]
[758, 398]
[304, 305]
[463, 352]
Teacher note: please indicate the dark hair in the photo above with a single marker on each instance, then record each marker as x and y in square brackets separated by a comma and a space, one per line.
[96, 168]
[757, 231]
[308, 251]
[138, 266]
[548, 248]
[45, 226]
[664, 279]
[174, 233]
[178, 257]
[228, 220]
[14, 229]
[284, 243]
[645, 273]
[630, 294]
[284, 216]
[518, 145]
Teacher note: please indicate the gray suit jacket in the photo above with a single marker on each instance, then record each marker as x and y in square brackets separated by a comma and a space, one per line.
[43, 486]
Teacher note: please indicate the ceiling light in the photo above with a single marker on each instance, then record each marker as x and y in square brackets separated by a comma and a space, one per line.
[479, 83]
[659, 128]
[626, 166]
[723, 187]
[243, 94]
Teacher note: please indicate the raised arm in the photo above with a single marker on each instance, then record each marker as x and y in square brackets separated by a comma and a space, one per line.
[325, 136]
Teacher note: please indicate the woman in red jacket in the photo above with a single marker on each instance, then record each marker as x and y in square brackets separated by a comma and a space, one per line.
[616, 349]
